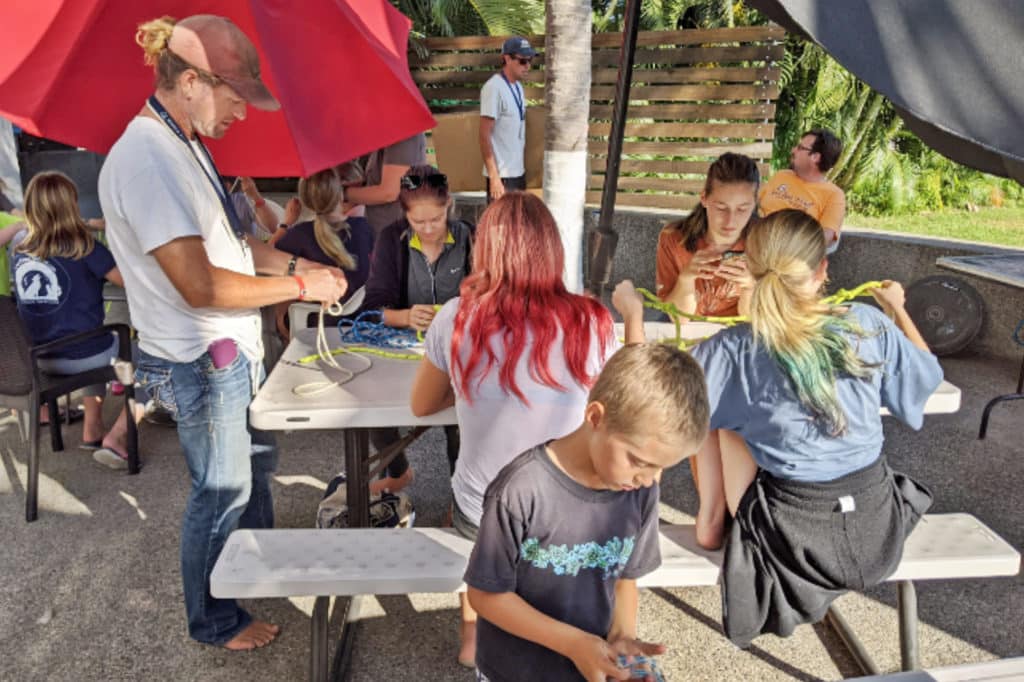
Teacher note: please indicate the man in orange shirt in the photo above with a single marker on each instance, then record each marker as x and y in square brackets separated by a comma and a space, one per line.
[804, 185]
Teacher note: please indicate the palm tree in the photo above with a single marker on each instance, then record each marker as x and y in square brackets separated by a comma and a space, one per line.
[567, 96]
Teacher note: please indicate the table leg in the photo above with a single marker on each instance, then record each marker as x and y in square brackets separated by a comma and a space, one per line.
[357, 489]
[1019, 395]
[318, 669]
[357, 451]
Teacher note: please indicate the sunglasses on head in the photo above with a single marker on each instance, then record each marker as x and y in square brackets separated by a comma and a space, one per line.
[435, 180]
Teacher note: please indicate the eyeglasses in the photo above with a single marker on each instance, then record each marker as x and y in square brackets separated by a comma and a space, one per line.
[524, 61]
[435, 180]
[809, 150]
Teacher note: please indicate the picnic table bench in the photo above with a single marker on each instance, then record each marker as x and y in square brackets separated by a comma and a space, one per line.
[351, 562]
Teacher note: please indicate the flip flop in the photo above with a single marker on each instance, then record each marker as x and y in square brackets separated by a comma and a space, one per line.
[91, 444]
[110, 459]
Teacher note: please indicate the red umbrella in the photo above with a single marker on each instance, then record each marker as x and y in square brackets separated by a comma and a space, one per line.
[70, 71]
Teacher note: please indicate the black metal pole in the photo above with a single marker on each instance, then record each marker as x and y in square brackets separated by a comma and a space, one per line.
[604, 239]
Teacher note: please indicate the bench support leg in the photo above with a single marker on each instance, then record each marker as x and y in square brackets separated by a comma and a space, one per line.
[318, 669]
[906, 601]
[851, 641]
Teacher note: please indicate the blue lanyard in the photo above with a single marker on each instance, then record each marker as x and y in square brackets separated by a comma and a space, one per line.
[217, 182]
[515, 95]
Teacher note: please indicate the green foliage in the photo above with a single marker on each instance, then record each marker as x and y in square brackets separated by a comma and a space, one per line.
[511, 17]
[1003, 226]
[884, 169]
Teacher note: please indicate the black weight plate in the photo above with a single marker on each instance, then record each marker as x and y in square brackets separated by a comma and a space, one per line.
[947, 311]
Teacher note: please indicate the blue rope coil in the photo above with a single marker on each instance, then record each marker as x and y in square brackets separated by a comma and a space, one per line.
[1017, 336]
[368, 329]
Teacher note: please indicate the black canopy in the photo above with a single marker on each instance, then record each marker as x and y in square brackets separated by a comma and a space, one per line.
[953, 69]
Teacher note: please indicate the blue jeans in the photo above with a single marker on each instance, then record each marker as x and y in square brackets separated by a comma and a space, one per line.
[230, 464]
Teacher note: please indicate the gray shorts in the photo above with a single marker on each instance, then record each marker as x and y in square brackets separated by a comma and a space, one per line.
[463, 525]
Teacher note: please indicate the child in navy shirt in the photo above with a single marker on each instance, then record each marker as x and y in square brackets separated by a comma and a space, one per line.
[569, 526]
[336, 236]
[58, 271]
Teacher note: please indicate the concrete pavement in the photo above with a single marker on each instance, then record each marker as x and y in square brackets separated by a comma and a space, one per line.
[91, 591]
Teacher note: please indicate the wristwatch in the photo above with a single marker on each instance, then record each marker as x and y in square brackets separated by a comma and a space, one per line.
[292, 262]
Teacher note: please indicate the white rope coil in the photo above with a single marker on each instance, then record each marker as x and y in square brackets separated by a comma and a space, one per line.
[323, 350]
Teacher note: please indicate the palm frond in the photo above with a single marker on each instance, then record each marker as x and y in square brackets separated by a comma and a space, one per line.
[511, 17]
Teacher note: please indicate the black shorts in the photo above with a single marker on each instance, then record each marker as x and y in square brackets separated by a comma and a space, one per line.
[796, 546]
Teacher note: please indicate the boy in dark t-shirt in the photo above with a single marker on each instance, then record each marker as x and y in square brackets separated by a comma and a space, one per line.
[569, 526]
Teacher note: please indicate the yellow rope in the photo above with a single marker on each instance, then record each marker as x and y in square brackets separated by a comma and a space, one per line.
[394, 355]
[676, 315]
[844, 295]
[419, 334]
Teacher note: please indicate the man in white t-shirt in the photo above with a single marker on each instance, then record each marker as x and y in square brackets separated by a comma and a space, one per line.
[193, 296]
[503, 120]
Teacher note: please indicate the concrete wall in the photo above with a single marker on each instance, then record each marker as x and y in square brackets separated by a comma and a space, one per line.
[863, 255]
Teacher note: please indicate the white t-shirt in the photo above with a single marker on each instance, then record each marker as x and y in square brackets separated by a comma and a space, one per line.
[508, 139]
[153, 190]
[496, 427]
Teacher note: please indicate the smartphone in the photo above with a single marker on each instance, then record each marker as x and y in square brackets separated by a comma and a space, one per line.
[726, 255]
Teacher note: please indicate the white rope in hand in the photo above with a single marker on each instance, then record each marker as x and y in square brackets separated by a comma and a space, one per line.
[323, 350]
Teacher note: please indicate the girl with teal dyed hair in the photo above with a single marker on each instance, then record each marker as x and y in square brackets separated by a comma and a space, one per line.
[797, 394]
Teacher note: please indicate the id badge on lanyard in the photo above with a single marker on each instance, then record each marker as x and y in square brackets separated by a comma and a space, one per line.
[520, 101]
[234, 223]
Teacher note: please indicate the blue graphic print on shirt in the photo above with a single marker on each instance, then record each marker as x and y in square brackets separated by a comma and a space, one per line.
[611, 557]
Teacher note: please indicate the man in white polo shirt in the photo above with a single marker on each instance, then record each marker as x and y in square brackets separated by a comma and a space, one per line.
[503, 120]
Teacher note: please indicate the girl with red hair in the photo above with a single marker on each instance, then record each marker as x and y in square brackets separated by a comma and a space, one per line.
[516, 353]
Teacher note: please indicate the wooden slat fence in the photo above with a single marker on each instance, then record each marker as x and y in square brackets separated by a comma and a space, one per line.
[695, 94]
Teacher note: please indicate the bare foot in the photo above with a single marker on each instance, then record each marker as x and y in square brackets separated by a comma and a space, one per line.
[258, 634]
[390, 484]
[467, 650]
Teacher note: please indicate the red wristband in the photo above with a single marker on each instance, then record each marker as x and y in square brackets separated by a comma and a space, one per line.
[302, 287]
[260, 203]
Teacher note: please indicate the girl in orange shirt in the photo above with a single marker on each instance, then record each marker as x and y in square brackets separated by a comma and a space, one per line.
[701, 268]
[696, 268]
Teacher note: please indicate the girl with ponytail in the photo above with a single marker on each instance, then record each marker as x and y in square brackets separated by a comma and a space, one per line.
[335, 236]
[797, 393]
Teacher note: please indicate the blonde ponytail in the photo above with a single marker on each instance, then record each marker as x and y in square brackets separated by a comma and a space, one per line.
[808, 339]
[328, 240]
[322, 193]
[152, 36]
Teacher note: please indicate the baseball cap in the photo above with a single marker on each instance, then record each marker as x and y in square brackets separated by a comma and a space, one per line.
[216, 45]
[518, 45]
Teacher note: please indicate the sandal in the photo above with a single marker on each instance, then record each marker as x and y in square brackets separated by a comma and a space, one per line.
[110, 459]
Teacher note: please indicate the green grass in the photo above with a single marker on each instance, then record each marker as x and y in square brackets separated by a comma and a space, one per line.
[1003, 226]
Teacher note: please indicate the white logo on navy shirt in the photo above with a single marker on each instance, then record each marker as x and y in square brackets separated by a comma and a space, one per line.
[36, 281]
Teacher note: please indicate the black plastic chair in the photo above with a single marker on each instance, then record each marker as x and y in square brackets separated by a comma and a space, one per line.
[25, 387]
